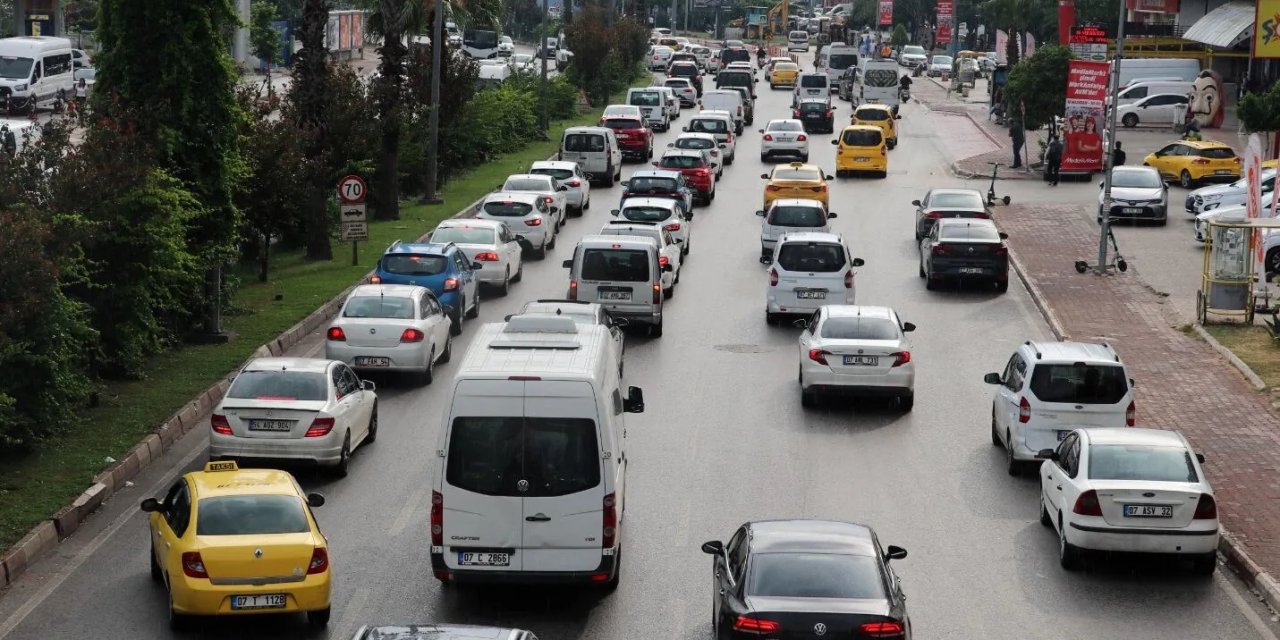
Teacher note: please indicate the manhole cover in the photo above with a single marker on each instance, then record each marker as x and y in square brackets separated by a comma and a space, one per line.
[742, 348]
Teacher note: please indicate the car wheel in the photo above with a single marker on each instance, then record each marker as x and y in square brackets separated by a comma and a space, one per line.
[930, 283]
[920, 268]
[156, 574]
[995, 431]
[586, 205]
[907, 401]
[1012, 465]
[804, 158]
[808, 398]
[1205, 565]
[612, 584]
[505, 287]
[1184, 180]
[608, 171]
[1129, 120]
[763, 158]
[428, 374]
[344, 457]
[770, 318]
[1068, 554]
[519, 273]
[1002, 286]
[541, 252]
[177, 621]
[551, 244]
[475, 306]
[455, 324]
[1160, 222]
[730, 159]
[670, 292]
[655, 330]
[1044, 512]
[448, 350]
[318, 619]
[373, 427]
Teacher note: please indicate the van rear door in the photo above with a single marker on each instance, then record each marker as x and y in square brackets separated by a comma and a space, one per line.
[564, 466]
[620, 279]
[588, 148]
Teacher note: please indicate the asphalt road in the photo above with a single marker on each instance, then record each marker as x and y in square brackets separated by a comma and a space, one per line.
[724, 440]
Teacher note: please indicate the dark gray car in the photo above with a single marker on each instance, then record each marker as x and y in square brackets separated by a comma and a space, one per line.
[948, 203]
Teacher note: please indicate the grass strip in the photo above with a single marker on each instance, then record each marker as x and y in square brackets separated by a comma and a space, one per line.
[1253, 345]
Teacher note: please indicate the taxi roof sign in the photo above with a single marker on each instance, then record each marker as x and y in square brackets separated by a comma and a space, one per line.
[222, 465]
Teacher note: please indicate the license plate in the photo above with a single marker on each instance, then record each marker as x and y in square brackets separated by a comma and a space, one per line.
[970, 270]
[814, 92]
[1224, 172]
[1148, 511]
[483, 559]
[868, 361]
[365, 361]
[1134, 210]
[271, 425]
[271, 601]
[805, 294]
[862, 159]
[615, 295]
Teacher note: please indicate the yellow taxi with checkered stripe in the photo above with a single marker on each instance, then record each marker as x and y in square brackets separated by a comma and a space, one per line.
[796, 180]
[232, 541]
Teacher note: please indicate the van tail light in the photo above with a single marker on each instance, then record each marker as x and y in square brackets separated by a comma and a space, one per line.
[939, 249]
[1206, 508]
[887, 630]
[609, 532]
[319, 561]
[1087, 504]
[534, 222]
[818, 355]
[574, 183]
[336, 334]
[657, 292]
[796, 114]
[749, 624]
[573, 289]
[848, 279]
[437, 519]
[486, 256]
[673, 227]
[768, 137]
[664, 261]
[900, 358]
[412, 335]
[193, 565]
[219, 424]
[319, 427]
[773, 277]
[1130, 414]
[802, 137]
[451, 284]
[1024, 410]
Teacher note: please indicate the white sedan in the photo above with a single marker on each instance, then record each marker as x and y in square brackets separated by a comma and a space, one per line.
[784, 138]
[391, 327]
[492, 244]
[295, 409]
[856, 350]
[1128, 490]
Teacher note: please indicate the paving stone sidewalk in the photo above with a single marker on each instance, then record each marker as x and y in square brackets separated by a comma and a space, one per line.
[1182, 383]
[934, 95]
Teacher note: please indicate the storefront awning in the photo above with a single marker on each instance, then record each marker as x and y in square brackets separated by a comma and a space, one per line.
[1224, 27]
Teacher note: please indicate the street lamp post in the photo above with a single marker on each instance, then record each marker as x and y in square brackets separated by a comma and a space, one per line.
[433, 119]
[1113, 85]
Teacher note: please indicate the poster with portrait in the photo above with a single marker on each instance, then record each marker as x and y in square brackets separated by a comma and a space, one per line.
[886, 13]
[1082, 130]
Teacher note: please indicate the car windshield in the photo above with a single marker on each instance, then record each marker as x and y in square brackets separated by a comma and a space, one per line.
[1141, 462]
[861, 138]
[912, 50]
[842, 61]
[959, 200]
[86, 74]
[584, 142]
[526, 184]
[645, 99]
[872, 115]
[968, 233]
[651, 185]
[558, 174]
[859, 328]
[784, 125]
[808, 175]
[695, 143]
[709, 125]
[508, 208]
[414, 265]
[523, 457]
[15, 68]
[813, 81]
[1079, 383]
[813, 107]
[815, 575]
[617, 265]
[681, 162]
[811, 256]
[788, 216]
[464, 235]
[646, 214]
[785, 66]
[398, 307]
[250, 515]
[1217, 153]
[1136, 179]
[941, 60]
[880, 78]
[279, 385]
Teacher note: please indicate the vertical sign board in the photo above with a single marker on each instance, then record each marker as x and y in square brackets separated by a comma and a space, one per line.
[1089, 42]
[1082, 137]
[886, 13]
[1253, 199]
[1266, 29]
[945, 16]
[351, 194]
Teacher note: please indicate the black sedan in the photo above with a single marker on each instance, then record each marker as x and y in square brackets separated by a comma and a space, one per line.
[964, 249]
[815, 115]
[948, 203]
[806, 579]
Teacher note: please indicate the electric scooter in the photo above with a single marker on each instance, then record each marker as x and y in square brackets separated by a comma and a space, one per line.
[991, 191]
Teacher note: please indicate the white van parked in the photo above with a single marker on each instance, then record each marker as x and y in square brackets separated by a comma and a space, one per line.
[596, 150]
[1184, 69]
[35, 71]
[621, 273]
[532, 480]
[653, 103]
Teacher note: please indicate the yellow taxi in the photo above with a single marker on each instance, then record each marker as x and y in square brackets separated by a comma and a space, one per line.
[1271, 164]
[1191, 162]
[784, 75]
[878, 115]
[795, 180]
[860, 148]
[231, 541]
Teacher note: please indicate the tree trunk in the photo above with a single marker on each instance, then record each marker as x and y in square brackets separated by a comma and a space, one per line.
[264, 259]
[312, 81]
[386, 176]
[1011, 47]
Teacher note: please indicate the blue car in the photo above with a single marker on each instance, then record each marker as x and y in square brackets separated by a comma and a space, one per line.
[658, 183]
[441, 267]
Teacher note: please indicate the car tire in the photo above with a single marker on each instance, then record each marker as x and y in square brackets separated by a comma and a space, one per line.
[519, 273]
[1160, 222]
[612, 584]
[505, 287]
[655, 330]
[930, 283]
[541, 252]
[177, 621]
[995, 431]
[455, 324]
[920, 268]
[1011, 464]
[763, 158]
[1002, 286]
[670, 292]
[1204, 565]
[770, 318]
[1044, 512]
[475, 306]
[906, 402]
[318, 619]
[448, 351]
[1068, 554]
[372, 436]
[804, 158]
[608, 170]
[1129, 120]
[891, 143]
[1184, 180]
[341, 469]
[551, 244]
[428, 375]
[156, 574]
[729, 159]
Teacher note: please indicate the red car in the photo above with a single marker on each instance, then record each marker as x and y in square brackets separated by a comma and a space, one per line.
[634, 139]
[697, 173]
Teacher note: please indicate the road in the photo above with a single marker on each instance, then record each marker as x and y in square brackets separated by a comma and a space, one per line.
[724, 440]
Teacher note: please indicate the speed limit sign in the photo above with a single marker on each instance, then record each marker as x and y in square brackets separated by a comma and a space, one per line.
[352, 190]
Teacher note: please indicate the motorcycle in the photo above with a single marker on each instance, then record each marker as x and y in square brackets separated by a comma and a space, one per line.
[904, 94]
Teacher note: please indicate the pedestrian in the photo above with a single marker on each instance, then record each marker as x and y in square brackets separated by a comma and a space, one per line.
[1117, 158]
[1019, 138]
[1053, 160]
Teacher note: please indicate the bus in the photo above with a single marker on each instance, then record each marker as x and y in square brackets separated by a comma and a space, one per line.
[480, 45]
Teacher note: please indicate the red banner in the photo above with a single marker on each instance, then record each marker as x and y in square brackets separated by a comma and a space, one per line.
[943, 35]
[1082, 133]
[1066, 20]
[886, 12]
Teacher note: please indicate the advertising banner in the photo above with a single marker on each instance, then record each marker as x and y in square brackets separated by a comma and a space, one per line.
[1002, 47]
[1266, 29]
[1082, 135]
[1252, 170]
[1066, 20]
[886, 12]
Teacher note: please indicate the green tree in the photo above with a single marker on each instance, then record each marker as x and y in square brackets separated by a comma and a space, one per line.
[457, 87]
[81, 16]
[899, 36]
[1260, 113]
[274, 187]
[1013, 17]
[1039, 83]
[392, 20]
[264, 38]
[310, 86]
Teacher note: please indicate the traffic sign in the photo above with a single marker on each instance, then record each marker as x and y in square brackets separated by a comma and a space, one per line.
[352, 190]
[353, 222]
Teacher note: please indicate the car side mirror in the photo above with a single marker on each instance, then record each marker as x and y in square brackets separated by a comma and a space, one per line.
[915, 202]
[688, 216]
[1046, 454]
[150, 505]
[761, 130]
[477, 265]
[829, 177]
[686, 129]
[668, 268]
[315, 500]
[894, 553]
[714, 547]
[615, 212]
[1102, 184]
[1004, 236]
[568, 264]
[657, 164]
[907, 327]
[449, 309]
[831, 215]
[724, 146]
[764, 176]
[625, 183]
[766, 259]
[835, 142]
[1132, 383]
[897, 117]
[671, 145]
[992, 378]
[635, 400]
[562, 188]
[858, 262]
[620, 322]
[800, 323]
[760, 212]
[507, 318]
[1200, 458]
[368, 385]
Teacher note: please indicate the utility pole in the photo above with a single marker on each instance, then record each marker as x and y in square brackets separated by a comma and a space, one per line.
[542, 85]
[1113, 85]
[433, 119]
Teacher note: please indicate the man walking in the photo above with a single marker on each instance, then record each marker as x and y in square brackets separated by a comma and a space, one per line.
[1053, 160]
[1117, 158]
[1019, 138]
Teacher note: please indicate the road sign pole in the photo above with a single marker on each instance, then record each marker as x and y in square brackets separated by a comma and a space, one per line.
[1113, 86]
[355, 253]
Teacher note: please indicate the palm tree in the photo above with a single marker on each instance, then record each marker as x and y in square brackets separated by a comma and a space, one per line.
[1013, 16]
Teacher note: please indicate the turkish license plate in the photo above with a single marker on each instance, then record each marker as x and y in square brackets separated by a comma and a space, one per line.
[1148, 511]
[814, 92]
[1062, 435]
[971, 270]
[867, 361]
[862, 159]
[1132, 210]
[1224, 172]
[615, 295]
[368, 361]
[483, 559]
[811, 294]
[268, 601]
[277, 426]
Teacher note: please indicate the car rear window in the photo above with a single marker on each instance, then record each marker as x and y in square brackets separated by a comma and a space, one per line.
[967, 233]
[508, 208]
[874, 115]
[623, 123]
[584, 142]
[1079, 384]
[558, 174]
[526, 184]
[1217, 153]
[495, 455]
[414, 265]
[618, 265]
[861, 138]
[809, 256]
[681, 162]
[796, 174]
[735, 55]
[651, 233]
[788, 216]
[686, 68]
[279, 385]
[1141, 462]
[645, 99]
[880, 78]
[814, 81]
[708, 125]
[785, 125]
[736, 78]
[786, 66]
[813, 107]
[964, 200]
[646, 214]
[815, 575]
[243, 515]
[651, 185]
[464, 235]
[398, 307]
[859, 328]
[695, 143]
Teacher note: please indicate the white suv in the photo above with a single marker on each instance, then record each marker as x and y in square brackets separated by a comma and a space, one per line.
[1048, 389]
[808, 270]
[790, 215]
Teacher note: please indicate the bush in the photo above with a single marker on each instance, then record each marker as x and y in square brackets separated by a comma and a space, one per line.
[497, 121]
[1040, 83]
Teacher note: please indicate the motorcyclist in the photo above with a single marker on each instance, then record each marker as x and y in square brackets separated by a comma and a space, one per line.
[762, 54]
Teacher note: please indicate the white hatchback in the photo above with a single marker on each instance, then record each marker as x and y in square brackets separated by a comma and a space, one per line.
[553, 194]
[660, 210]
[704, 142]
[528, 216]
[856, 350]
[791, 215]
[784, 137]
[390, 327]
[809, 270]
[567, 174]
[490, 243]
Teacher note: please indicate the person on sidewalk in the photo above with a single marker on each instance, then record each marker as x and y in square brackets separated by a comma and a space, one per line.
[1117, 158]
[1053, 160]
[1019, 138]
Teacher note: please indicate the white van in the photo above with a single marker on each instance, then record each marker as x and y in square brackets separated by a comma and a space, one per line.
[622, 274]
[728, 101]
[532, 478]
[1184, 69]
[798, 41]
[35, 71]
[654, 106]
[596, 150]
[1140, 89]
[810, 85]
[835, 58]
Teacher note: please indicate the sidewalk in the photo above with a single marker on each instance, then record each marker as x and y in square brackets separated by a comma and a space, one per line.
[934, 94]
[1182, 383]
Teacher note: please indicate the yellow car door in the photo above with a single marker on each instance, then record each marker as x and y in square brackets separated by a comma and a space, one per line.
[1164, 160]
[169, 525]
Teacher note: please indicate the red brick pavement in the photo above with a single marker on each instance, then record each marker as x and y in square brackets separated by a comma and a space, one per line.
[1182, 383]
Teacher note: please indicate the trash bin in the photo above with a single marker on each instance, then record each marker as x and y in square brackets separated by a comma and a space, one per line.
[1179, 116]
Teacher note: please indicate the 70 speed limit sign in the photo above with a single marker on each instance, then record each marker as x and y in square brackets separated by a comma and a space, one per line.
[352, 190]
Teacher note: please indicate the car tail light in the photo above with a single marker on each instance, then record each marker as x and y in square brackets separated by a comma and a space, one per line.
[573, 289]
[1130, 414]
[674, 226]
[486, 256]
[534, 222]
[888, 629]
[848, 279]
[1206, 508]
[374, 279]
[319, 427]
[802, 137]
[1200, 161]
[548, 199]
[768, 137]
[739, 110]
[1087, 504]
[1024, 410]
[939, 249]
[900, 358]
[412, 335]
[657, 292]
[1000, 250]
[933, 215]
[220, 424]
[729, 138]
[773, 187]
[796, 114]
[437, 519]
[574, 183]
[609, 532]
[749, 624]
[336, 334]
[193, 565]
[1236, 159]
[657, 58]
[818, 355]
[982, 216]
[664, 261]
[773, 277]
[827, 114]
[450, 284]
[319, 561]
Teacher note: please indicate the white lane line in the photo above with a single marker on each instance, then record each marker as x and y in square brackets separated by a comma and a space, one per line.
[1249, 614]
[87, 552]
[353, 609]
[407, 511]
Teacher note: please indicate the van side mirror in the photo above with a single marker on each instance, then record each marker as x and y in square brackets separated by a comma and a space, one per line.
[915, 202]
[477, 265]
[671, 145]
[760, 212]
[1004, 236]
[1200, 458]
[562, 188]
[991, 378]
[1046, 454]
[568, 264]
[150, 505]
[315, 500]
[625, 183]
[858, 262]
[615, 212]
[831, 215]
[907, 327]
[714, 547]
[894, 553]
[897, 117]
[686, 129]
[635, 400]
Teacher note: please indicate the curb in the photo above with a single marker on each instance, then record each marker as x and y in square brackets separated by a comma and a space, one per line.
[1037, 296]
[1236, 362]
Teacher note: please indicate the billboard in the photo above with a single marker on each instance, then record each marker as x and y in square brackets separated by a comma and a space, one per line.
[1082, 133]
[1266, 29]
[886, 12]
